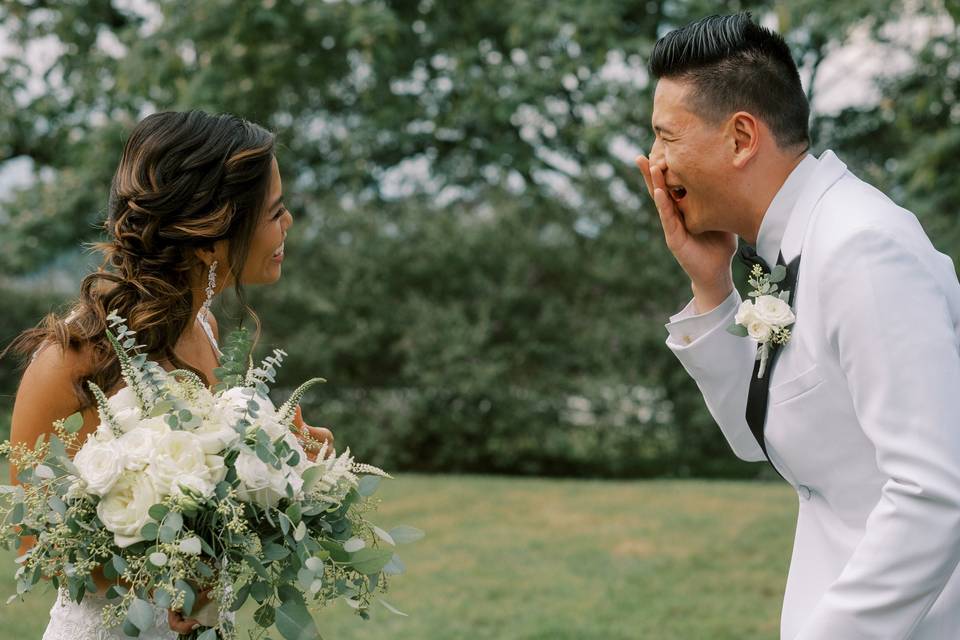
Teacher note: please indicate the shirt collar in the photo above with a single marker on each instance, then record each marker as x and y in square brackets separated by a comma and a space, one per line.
[774, 223]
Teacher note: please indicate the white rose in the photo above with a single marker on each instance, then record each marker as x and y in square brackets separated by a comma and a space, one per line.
[138, 445]
[126, 508]
[76, 491]
[774, 311]
[126, 412]
[273, 428]
[231, 405]
[759, 330]
[201, 403]
[104, 433]
[178, 458]
[197, 484]
[216, 436]
[100, 465]
[125, 398]
[262, 484]
[745, 314]
[217, 467]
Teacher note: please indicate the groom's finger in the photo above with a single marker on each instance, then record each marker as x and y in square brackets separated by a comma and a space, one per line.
[643, 163]
[673, 229]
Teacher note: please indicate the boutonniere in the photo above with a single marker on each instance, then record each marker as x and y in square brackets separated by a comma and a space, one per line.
[767, 316]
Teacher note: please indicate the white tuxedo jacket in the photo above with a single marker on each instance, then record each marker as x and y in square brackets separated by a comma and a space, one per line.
[863, 416]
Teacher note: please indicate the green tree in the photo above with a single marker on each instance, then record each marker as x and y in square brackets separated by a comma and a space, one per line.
[474, 264]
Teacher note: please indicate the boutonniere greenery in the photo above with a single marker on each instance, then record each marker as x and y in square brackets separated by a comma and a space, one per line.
[767, 316]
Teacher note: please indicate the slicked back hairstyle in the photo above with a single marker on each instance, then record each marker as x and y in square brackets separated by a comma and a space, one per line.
[734, 64]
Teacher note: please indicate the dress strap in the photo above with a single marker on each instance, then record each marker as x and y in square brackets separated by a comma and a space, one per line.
[207, 329]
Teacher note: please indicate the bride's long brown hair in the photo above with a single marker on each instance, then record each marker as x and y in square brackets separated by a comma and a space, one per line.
[185, 181]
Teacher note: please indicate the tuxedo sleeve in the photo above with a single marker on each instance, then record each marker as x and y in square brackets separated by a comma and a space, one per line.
[721, 364]
[887, 317]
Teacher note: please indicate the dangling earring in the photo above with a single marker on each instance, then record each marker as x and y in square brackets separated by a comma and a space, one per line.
[211, 289]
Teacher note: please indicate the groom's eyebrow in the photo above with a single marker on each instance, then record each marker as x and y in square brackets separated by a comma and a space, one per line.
[661, 129]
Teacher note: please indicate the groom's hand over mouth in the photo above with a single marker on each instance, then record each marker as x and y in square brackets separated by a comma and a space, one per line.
[705, 257]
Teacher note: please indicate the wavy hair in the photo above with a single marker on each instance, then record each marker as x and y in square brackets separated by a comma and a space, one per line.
[185, 180]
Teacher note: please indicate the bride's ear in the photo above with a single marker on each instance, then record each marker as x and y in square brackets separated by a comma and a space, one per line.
[743, 133]
[214, 253]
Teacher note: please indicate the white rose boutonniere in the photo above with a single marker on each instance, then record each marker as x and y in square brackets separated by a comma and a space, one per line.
[767, 316]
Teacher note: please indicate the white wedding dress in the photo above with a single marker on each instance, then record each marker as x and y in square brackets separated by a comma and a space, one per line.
[72, 621]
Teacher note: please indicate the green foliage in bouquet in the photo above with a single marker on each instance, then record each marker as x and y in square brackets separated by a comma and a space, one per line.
[183, 492]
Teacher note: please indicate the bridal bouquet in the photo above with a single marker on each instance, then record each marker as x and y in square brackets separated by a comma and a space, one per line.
[183, 491]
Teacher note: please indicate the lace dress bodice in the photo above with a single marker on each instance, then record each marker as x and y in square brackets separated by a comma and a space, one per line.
[72, 621]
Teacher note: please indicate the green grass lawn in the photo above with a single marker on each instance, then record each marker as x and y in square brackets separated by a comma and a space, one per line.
[530, 559]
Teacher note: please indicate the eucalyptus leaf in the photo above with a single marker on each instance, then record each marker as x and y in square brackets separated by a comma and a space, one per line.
[173, 520]
[738, 330]
[158, 511]
[189, 596]
[392, 609]
[369, 561]
[265, 615]
[368, 485]
[118, 563]
[310, 478]
[130, 629]
[115, 591]
[294, 622]
[395, 567]
[256, 565]
[240, 597]
[404, 534]
[162, 598]
[354, 544]
[294, 512]
[305, 578]
[260, 591]
[300, 531]
[383, 535]
[141, 614]
[273, 551]
[73, 423]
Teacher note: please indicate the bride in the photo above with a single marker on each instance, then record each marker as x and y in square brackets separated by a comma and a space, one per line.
[195, 206]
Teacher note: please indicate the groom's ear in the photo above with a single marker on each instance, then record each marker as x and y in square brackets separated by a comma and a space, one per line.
[743, 137]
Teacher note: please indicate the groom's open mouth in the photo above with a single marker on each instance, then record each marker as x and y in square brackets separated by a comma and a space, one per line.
[677, 192]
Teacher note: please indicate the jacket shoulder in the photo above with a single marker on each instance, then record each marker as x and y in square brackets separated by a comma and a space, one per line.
[851, 210]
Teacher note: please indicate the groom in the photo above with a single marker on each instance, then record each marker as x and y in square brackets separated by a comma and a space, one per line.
[859, 407]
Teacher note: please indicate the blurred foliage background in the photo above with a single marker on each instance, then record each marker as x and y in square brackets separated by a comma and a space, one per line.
[474, 265]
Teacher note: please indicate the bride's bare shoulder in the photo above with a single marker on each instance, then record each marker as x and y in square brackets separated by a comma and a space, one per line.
[47, 390]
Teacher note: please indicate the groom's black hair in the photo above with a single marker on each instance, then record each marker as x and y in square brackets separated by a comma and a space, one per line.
[734, 64]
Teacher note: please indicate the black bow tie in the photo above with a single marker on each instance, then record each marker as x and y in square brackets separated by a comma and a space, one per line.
[749, 256]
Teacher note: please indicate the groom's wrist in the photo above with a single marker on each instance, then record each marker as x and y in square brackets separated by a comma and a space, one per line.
[707, 296]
